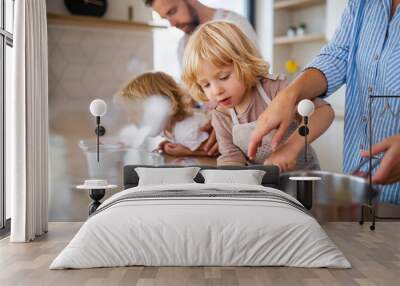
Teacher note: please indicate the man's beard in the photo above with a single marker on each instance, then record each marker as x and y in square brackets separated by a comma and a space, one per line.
[195, 19]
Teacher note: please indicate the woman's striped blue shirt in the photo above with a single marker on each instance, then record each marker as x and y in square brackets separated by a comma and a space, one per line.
[364, 54]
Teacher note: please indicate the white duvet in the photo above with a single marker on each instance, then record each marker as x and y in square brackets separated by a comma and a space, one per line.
[183, 231]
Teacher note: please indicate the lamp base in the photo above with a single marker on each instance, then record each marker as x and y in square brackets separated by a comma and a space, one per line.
[96, 195]
[304, 192]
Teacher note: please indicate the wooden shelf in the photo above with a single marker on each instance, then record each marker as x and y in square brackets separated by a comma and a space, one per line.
[298, 39]
[296, 4]
[88, 21]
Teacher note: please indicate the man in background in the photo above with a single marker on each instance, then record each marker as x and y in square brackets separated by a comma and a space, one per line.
[187, 15]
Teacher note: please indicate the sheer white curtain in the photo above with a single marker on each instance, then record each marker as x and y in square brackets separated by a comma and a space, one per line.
[27, 123]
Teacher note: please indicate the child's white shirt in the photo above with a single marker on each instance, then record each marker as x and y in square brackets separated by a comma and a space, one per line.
[187, 132]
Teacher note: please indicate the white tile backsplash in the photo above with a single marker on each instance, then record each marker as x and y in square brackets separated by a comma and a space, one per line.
[87, 63]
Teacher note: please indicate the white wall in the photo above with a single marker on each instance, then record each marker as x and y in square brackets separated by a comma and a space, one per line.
[334, 9]
[264, 27]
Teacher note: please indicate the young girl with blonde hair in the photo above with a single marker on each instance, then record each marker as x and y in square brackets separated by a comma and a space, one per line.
[221, 64]
[182, 127]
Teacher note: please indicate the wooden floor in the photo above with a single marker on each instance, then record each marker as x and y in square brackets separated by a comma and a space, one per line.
[374, 255]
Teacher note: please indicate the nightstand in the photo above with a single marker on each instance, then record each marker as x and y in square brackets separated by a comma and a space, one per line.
[97, 190]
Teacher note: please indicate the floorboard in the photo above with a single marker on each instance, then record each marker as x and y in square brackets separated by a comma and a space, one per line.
[374, 255]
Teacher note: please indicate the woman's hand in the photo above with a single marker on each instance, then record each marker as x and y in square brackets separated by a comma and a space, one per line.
[285, 157]
[176, 150]
[211, 145]
[389, 168]
[278, 115]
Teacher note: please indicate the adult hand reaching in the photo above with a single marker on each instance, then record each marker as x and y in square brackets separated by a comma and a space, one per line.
[285, 157]
[278, 115]
[211, 145]
[389, 169]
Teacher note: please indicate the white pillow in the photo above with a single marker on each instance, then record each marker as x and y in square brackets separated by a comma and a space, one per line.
[248, 177]
[164, 176]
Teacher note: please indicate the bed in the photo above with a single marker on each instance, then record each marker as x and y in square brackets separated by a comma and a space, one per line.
[201, 224]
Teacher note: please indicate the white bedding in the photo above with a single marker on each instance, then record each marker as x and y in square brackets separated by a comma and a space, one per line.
[183, 231]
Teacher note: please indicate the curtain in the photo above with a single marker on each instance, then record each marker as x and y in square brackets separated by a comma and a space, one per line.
[27, 122]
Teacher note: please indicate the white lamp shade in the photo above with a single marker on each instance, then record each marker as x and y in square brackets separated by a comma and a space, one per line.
[98, 107]
[305, 107]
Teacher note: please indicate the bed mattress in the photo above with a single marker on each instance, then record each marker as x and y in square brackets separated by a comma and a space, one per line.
[201, 225]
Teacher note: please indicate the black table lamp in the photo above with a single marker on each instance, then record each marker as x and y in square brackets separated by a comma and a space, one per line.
[98, 108]
[305, 108]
